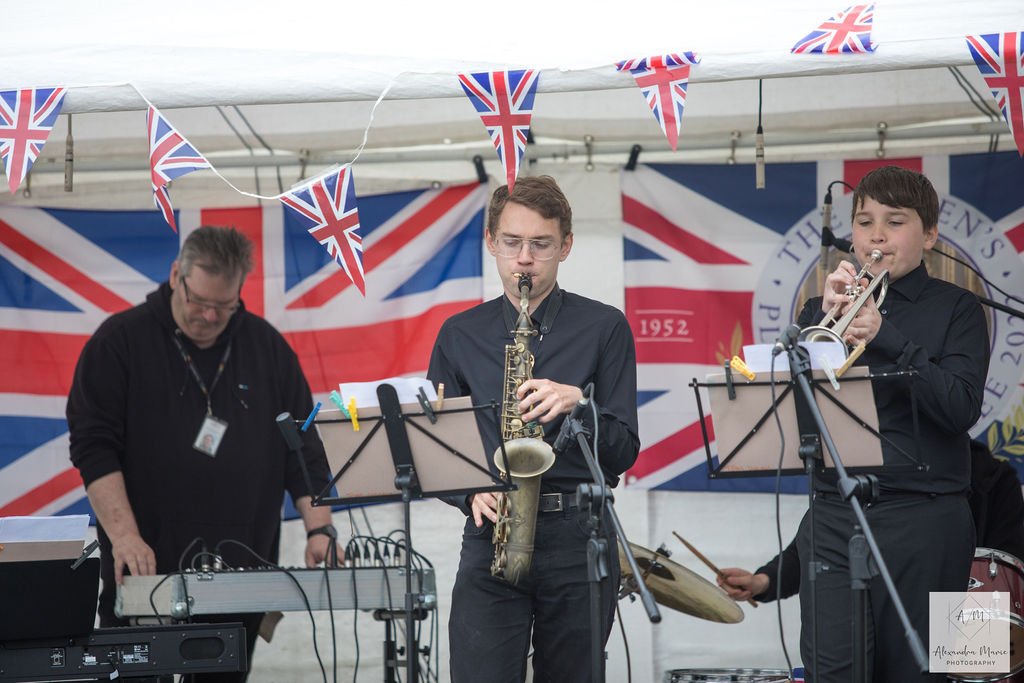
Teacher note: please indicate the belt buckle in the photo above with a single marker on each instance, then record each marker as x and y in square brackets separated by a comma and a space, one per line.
[559, 507]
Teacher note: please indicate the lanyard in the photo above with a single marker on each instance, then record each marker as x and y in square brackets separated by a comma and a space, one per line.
[187, 357]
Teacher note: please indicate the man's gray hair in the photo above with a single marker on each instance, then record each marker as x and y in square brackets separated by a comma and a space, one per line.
[218, 251]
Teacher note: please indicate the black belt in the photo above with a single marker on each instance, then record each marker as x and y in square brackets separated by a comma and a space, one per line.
[556, 502]
[892, 495]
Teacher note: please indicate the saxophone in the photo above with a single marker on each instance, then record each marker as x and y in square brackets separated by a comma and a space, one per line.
[528, 454]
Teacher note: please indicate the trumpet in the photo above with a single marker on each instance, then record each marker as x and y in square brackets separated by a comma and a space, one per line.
[858, 296]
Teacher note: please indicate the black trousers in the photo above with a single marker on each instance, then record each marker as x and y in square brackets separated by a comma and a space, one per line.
[490, 623]
[927, 544]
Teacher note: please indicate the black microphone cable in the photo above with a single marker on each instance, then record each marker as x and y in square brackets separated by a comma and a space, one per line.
[978, 273]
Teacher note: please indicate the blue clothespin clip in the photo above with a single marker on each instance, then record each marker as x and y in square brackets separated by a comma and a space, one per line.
[309, 420]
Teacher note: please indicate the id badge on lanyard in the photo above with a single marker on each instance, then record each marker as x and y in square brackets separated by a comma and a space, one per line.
[211, 433]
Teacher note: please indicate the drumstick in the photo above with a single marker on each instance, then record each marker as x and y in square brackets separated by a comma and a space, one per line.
[706, 561]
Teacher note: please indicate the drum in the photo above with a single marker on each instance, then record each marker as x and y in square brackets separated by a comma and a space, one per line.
[742, 675]
[994, 570]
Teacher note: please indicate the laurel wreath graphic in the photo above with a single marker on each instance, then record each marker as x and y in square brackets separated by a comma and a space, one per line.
[1006, 438]
[735, 345]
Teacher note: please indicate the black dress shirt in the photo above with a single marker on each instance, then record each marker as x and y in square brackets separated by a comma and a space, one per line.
[578, 341]
[939, 330]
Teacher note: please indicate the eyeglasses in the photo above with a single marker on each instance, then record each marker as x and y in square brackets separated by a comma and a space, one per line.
[511, 247]
[227, 309]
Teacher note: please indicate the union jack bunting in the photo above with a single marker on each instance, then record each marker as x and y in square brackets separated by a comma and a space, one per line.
[26, 119]
[848, 31]
[1000, 58]
[326, 206]
[170, 156]
[504, 100]
[62, 272]
[662, 80]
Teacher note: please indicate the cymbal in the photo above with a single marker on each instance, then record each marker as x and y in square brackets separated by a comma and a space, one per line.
[675, 586]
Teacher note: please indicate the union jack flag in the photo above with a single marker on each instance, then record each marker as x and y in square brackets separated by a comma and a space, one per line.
[848, 31]
[712, 265]
[170, 156]
[26, 119]
[1000, 58]
[327, 206]
[662, 80]
[63, 272]
[504, 100]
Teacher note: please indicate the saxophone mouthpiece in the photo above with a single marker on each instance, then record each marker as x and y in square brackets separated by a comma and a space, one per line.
[525, 280]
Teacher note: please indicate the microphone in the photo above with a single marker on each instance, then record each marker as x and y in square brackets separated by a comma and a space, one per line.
[565, 435]
[842, 245]
[827, 237]
[786, 339]
[291, 437]
[288, 430]
[759, 157]
[826, 228]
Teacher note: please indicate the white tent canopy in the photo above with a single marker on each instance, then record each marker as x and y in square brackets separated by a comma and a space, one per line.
[307, 80]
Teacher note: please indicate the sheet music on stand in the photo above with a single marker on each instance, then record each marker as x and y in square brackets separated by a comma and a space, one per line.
[448, 456]
[748, 440]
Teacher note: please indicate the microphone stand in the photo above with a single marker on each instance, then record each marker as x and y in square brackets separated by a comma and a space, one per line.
[850, 488]
[596, 497]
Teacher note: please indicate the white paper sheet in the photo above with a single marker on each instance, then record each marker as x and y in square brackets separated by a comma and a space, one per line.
[758, 357]
[365, 393]
[37, 529]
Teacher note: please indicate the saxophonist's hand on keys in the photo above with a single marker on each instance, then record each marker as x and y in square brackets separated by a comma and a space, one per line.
[484, 505]
[543, 400]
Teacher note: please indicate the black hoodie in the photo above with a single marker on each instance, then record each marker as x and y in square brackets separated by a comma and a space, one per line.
[135, 407]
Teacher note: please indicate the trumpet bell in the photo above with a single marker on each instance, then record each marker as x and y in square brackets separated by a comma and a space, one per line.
[820, 333]
[675, 586]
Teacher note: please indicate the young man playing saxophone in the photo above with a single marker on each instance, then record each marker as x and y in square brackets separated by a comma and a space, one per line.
[578, 341]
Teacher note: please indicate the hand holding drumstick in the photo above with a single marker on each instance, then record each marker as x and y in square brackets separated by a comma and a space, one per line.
[711, 566]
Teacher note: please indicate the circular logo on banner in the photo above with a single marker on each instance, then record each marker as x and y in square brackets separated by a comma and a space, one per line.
[972, 237]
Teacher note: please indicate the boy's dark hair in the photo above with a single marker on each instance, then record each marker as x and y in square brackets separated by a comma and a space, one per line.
[540, 193]
[899, 188]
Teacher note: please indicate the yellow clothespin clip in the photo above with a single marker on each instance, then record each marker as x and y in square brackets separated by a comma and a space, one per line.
[739, 366]
[440, 396]
[854, 355]
[353, 414]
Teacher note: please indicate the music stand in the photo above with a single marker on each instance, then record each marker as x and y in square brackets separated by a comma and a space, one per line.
[749, 447]
[428, 453]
